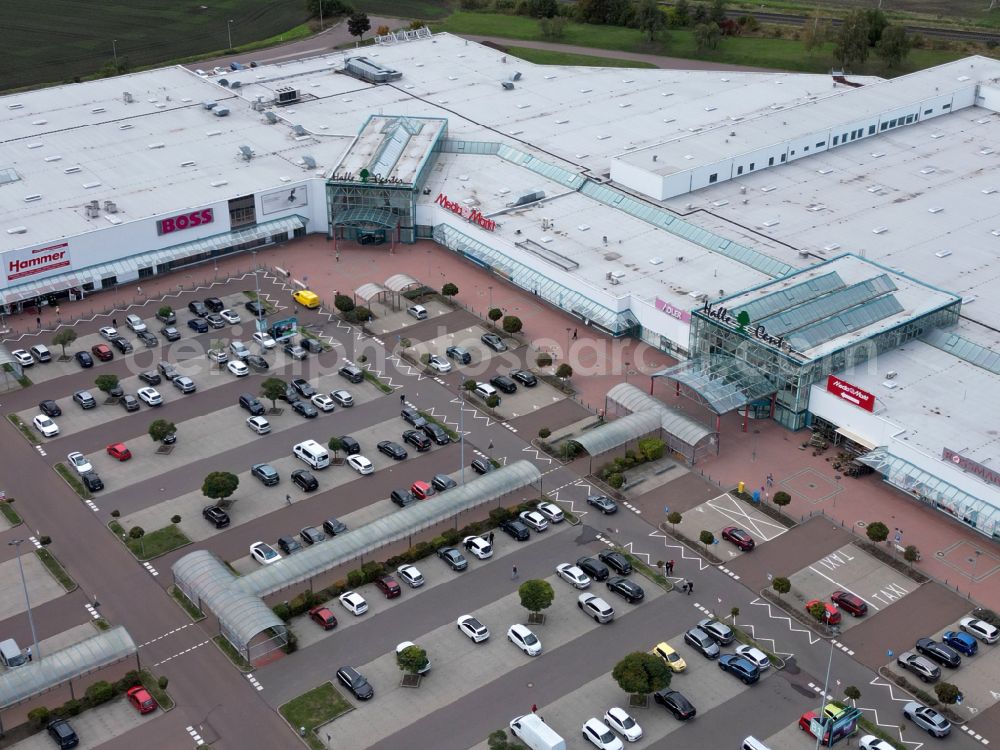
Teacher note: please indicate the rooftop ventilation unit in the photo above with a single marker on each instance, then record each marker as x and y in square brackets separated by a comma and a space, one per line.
[507, 85]
[110, 207]
[287, 95]
[127, 97]
[235, 85]
[535, 195]
[220, 112]
[516, 77]
[93, 209]
[299, 130]
[209, 104]
[223, 82]
[271, 117]
[309, 162]
[247, 152]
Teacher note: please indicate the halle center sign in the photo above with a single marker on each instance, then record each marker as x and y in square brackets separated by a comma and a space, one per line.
[475, 216]
[850, 393]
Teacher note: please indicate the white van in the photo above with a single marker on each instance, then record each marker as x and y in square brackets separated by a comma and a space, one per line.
[41, 352]
[312, 453]
[752, 743]
[536, 734]
[11, 654]
[485, 390]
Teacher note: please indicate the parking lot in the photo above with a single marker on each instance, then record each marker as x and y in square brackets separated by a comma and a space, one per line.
[721, 512]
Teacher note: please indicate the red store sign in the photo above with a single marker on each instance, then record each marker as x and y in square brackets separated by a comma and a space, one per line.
[185, 221]
[850, 393]
[41, 260]
[475, 216]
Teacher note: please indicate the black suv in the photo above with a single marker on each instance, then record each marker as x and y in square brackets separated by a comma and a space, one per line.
[352, 372]
[516, 529]
[305, 480]
[265, 473]
[503, 383]
[616, 560]
[442, 482]
[482, 466]
[150, 377]
[122, 344]
[417, 439]
[50, 408]
[62, 733]
[593, 568]
[413, 417]
[302, 386]
[354, 681]
[311, 345]
[436, 433]
[334, 526]
[255, 308]
[312, 535]
[216, 515]
[92, 481]
[350, 445]
[288, 544]
[249, 402]
[197, 307]
[167, 370]
[675, 703]
[393, 450]
[524, 377]
[215, 304]
[148, 339]
[402, 498]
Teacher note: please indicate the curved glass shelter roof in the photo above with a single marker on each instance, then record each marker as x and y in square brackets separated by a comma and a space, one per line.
[618, 432]
[726, 383]
[370, 291]
[678, 426]
[401, 282]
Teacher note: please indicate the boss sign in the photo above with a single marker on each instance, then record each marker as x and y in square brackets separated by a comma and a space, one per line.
[185, 221]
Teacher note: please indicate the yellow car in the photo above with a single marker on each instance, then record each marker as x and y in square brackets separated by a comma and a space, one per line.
[306, 298]
[672, 659]
[833, 711]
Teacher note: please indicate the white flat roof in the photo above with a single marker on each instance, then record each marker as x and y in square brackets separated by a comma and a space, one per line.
[375, 146]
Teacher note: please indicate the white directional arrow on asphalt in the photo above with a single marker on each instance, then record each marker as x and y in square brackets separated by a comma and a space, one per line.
[996, 695]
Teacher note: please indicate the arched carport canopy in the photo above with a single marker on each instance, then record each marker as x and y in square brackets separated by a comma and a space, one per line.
[371, 291]
[401, 282]
[81, 658]
[618, 432]
[685, 435]
[236, 601]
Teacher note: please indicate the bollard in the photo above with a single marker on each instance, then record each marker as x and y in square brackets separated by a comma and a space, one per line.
[302, 731]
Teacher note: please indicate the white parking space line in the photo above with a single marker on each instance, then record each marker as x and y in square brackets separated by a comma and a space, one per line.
[153, 571]
[254, 682]
[166, 635]
[181, 653]
[842, 587]
[739, 514]
[813, 638]
[195, 736]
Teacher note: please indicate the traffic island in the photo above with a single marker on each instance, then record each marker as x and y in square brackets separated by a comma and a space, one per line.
[309, 711]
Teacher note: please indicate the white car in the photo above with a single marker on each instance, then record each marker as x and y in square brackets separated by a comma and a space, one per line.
[264, 339]
[264, 553]
[135, 323]
[354, 603]
[524, 639]
[478, 547]
[980, 629]
[217, 355]
[405, 645]
[619, 720]
[259, 425]
[360, 464]
[238, 368]
[45, 426]
[23, 357]
[323, 402]
[79, 462]
[551, 511]
[573, 575]
[439, 363]
[473, 628]
[411, 576]
[601, 736]
[755, 656]
[871, 742]
[534, 519]
[108, 333]
[150, 396]
[342, 397]
[229, 316]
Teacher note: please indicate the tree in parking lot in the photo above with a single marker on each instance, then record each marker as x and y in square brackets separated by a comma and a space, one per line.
[494, 314]
[852, 694]
[544, 360]
[220, 485]
[493, 401]
[412, 659]
[947, 693]
[673, 519]
[469, 385]
[165, 311]
[336, 445]
[343, 303]
[536, 595]
[706, 537]
[512, 324]
[641, 673]
[877, 531]
[781, 585]
[160, 428]
[911, 554]
[449, 290]
[64, 338]
[564, 371]
[272, 389]
[106, 382]
[136, 532]
[781, 499]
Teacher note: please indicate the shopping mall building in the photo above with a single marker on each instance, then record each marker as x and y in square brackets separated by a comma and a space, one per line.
[814, 250]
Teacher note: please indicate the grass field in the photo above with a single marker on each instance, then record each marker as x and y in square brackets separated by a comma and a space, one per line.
[427, 10]
[61, 39]
[551, 57]
[933, 12]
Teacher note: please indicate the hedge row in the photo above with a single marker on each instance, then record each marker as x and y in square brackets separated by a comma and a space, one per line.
[98, 693]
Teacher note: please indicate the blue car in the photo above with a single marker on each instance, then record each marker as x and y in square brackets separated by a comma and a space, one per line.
[199, 325]
[739, 667]
[961, 642]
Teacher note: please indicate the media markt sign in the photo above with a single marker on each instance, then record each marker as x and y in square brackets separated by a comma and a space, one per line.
[475, 216]
[988, 475]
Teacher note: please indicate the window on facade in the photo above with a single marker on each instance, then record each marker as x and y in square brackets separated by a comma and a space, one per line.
[783, 158]
[751, 166]
[770, 162]
[739, 170]
[892, 123]
[713, 178]
[884, 126]
[945, 106]
[793, 152]
[928, 111]
[242, 211]
[821, 144]
[145, 273]
[806, 148]
[871, 130]
[909, 119]
[836, 139]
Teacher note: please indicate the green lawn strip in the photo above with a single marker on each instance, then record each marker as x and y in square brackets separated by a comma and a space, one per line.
[374, 379]
[9, 513]
[268, 307]
[660, 580]
[422, 9]
[72, 480]
[310, 335]
[227, 648]
[152, 684]
[23, 380]
[27, 432]
[948, 14]
[158, 542]
[56, 569]
[186, 604]
[742, 637]
[455, 437]
[551, 57]
[314, 709]
[101, 624]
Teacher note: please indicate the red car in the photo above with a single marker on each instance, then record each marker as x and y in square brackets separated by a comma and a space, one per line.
[422, 490]
[831, 616]
[139, 697]
[738, 537]
[323, 617]
[850, 603]
[102, 352]
[119, 451]
[388, 586]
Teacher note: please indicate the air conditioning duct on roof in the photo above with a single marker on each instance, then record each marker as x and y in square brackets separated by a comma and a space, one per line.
[209, 104]
[235, 85]
[516, 77]
[127, 97]
[299, 130]
[309, 161]
[220, 112]
[224, 82]
[507, 85]
[535, 195]
[271, 117]
[247, 152]
[110, 207]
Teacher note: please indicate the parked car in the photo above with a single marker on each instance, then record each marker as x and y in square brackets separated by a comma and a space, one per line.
[255, 308]
[323, 402]
[675, 703]
[170, 333]
[482, 466]
[257, 363]
[184, 384]
[595, 607]
[108, 333]
[525, 378]
[304, 480]
[150, 377]
[198, 325]
[476, 631]
[923, 668]
[84, 360]
[102, 352]
[851, 603]
[49, 408]
[620, 721]
[198, 308]
[831, 615]
[304, 409]
[927, 719]
[324, 617]
[980, 629]
[62, 733]
[230, 316]
[148, 339]
[360, 464]
[939, 652]
[141, 700]
[459, 353]
[551, 511]
[92, 481]
[573, 575]
[717, 631]
[522, 637]
[79, 462]
[393, 450]
[47, 427]
[503, 383]
[288, 544]
[454, 558]
[594, 568]
[303, 387]
[411, 575]
[402, 498]
[702, 642]
[264, 339]
[129, 402]
[266, 473]
[439, 364]
[417, 439]
[670, 657]
[442, 482]
[354, 681]
[754, 655]
[85, 399]
[413, 417]
[119, 451]
[312, 535]
[216, 516]
[238, 368]
[962, 642]
[615, 560]
[334, 526]
[742, 669]
[599, 734]
[294, 350]
[494, 342]
[264, 553]
[259, 425]
[342, 397]
[214, 304]
[122, 344]
[534, 520]
[627, 589]
[350, 445]
[603, 503]
[135, 323]
[739, 537]
[437, 433]
[515, 529]
[478, 546]
[422, 490]
[388, 586]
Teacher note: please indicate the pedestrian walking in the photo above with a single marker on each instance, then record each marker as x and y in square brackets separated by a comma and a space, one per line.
[402, 398]
[490, 446]
[690, 587]
[38, 321]
[288, 499]
[490, 538]
[114, 322]
[670, 567]
[513, 573]
[139, 290]
[534, 708]
[30, 657]
[770, 481]
[574, 334]
[57, 309]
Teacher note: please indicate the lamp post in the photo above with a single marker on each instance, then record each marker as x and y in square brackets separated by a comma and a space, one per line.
[566, 355]
[626, 371]
[975, 562]
[16, 544]
[461, 436]
[114, 47]
[256, 281]
[229, 28]
[490, 287]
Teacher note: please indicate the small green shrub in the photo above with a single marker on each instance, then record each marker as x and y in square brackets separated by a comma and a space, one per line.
[616, 481]
[355, 579]
[544, 433]
[99, 692]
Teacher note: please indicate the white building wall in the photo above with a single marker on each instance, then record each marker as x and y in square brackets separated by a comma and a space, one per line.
[988, 97]
[641, 178]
